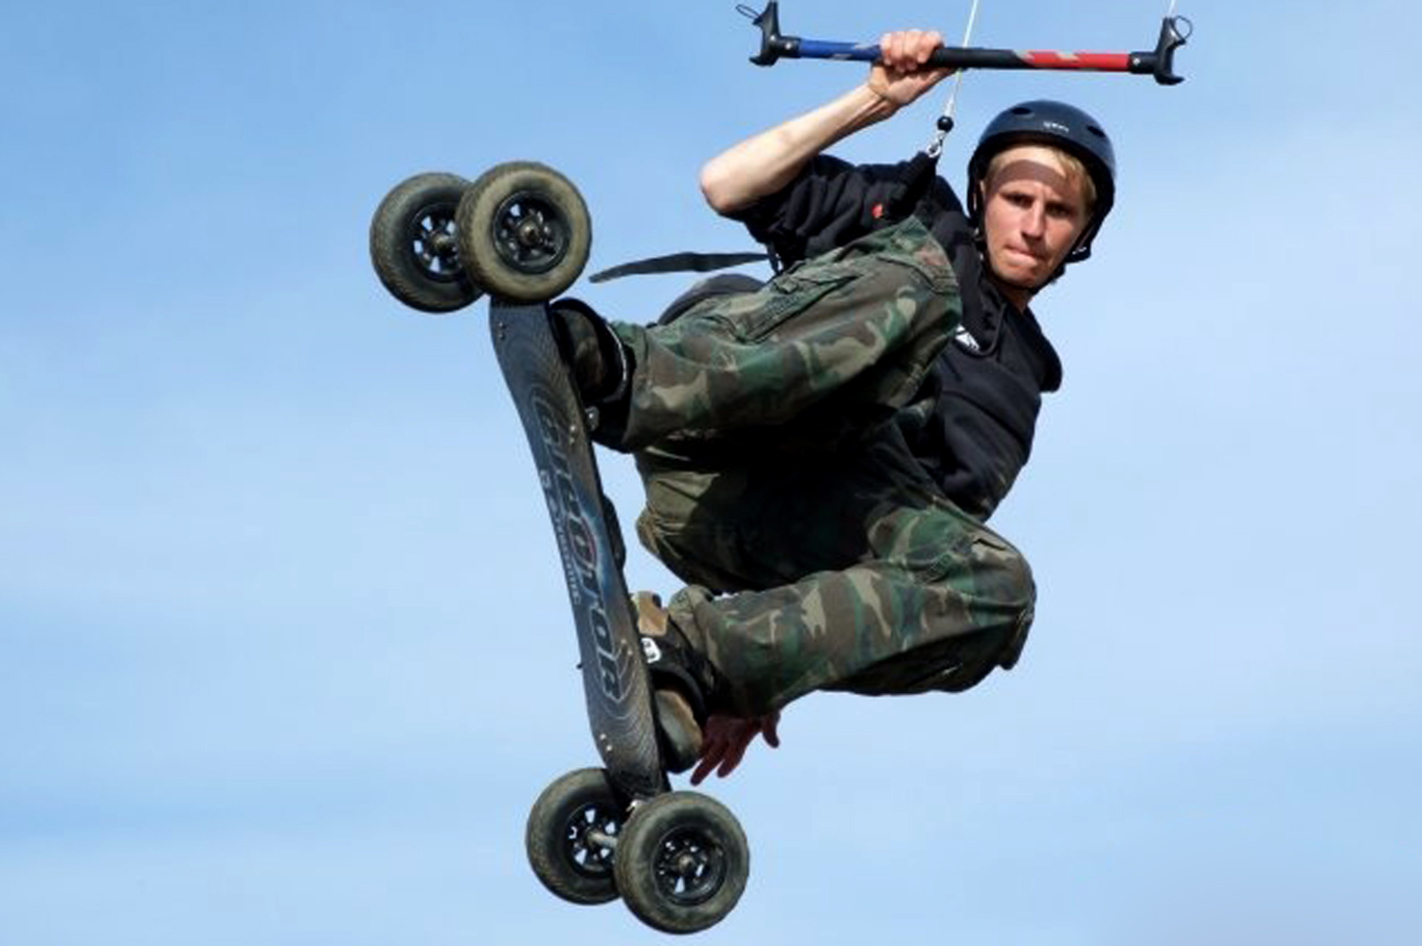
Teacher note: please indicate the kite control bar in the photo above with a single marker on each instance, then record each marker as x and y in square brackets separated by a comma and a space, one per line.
[1160, 62]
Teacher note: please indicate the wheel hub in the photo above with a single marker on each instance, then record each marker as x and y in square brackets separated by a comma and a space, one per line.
[529, 233]
[585, 840]
[437, 247]
[533, 234]
[690, 868]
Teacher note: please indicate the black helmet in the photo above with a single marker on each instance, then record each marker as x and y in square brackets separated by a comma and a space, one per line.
[1059, 125]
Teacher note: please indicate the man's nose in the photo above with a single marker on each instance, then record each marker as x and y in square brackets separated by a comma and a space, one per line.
[1034, 222]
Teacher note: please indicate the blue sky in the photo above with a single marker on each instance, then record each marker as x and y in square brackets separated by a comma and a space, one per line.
[284, 656]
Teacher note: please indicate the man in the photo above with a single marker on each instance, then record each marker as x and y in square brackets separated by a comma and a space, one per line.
[820, 454]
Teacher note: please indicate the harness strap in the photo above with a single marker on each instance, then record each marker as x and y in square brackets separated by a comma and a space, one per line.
[679, 263]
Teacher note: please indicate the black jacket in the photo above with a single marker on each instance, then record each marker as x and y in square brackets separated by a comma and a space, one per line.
[972, 424]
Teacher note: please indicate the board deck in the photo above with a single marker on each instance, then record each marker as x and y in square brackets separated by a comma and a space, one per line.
[615, 676]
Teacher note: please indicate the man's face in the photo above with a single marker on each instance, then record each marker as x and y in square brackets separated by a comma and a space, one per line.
[1033, 213]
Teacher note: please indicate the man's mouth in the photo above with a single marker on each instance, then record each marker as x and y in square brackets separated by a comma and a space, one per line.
[1027, 255]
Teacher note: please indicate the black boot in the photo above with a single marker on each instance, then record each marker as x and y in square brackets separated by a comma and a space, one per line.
[591, 349]
[683, 680]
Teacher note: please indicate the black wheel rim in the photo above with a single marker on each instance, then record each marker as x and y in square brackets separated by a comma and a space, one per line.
[584, 855]
[690, 867]
[530, 233]
[434, 241]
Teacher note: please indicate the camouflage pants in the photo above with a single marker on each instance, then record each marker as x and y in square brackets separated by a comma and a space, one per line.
[819, 554]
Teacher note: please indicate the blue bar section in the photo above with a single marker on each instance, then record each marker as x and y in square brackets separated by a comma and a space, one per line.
[818, 49]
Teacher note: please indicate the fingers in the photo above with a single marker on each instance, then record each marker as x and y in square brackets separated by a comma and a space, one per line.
[724, 745]
[725, 741]
[713, 748]
[716, 743]
[908, 50]
[736, 749]
[770, 729]
[902, 73]
[704, 768]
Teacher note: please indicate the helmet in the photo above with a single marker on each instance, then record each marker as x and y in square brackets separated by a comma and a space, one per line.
[1058, 125]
